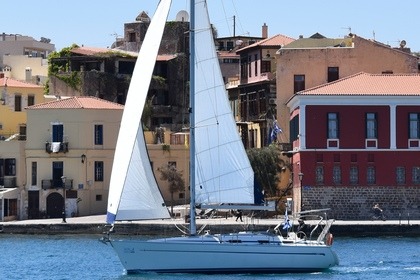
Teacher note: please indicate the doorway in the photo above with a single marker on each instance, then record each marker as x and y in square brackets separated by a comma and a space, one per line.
[55, 204]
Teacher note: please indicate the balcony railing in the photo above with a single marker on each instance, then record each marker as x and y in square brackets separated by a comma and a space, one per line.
[47, 184]
[56, 147]
[285, 147]
[8, 182]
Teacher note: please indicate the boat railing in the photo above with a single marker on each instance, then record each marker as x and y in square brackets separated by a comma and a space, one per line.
[316, 227]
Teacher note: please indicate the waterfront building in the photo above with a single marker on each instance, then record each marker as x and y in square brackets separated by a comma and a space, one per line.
[356, 142]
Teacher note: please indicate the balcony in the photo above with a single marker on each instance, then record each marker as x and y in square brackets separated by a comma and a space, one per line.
[8, 182]
[285, 147]
[48, 184]
[56, 147]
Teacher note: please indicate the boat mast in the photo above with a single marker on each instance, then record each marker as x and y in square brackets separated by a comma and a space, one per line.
[193, 227]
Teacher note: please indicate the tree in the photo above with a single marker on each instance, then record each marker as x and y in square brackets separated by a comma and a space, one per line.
[267, 165]
[174, 177]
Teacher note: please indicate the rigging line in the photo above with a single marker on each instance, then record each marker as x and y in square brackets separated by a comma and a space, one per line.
[236, 13]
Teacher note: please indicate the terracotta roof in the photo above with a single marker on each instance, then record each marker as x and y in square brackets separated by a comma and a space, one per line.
[18, 84]
[309, 43]
[78, 102]
[227, 54]
[370, 84]
[274, 41]
[165, 57]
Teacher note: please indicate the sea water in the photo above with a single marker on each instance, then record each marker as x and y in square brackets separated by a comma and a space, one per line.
[85, 257]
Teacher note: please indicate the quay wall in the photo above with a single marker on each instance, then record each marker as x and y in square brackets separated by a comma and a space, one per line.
[354, 203]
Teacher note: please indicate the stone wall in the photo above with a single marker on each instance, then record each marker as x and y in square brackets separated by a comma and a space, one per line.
[355, 203]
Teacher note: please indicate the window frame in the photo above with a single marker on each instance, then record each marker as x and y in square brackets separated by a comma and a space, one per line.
[333, 74]
[371, 125]
[333, 126]
[354, 175]
[400, 175]
[414, 126]
[370, 175]
[99, 134]
[298, 83]
[99, 171]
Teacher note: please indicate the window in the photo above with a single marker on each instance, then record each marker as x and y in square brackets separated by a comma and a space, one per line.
[31, 100]
[57, 132]
[229, 45]
[99, 171]
[18, 103]
[249, 66]
[98, 197]
[265, 66]
[416, 175]
[414, 126]
[400, 173]
[256, 65]
[99, 128]
[132, 37]
[221, 46]
[371, 176]
[371, 126]
[332, 125]
[354, 175]
[34, 170]
[299, 83]
[333, 74]
[319, 174]
[172, 164]
[337, 174]
[10, 167]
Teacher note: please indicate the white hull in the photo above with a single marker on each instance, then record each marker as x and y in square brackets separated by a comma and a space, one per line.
[237, 253]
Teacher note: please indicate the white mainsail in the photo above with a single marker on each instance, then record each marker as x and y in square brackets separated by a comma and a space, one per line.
[222, 168]
[133, 191]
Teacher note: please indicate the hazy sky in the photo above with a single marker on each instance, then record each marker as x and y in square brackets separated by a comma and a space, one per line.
[97, 22]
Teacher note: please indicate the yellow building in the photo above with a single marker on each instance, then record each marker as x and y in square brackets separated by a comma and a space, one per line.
[15, 96]
[70, 143]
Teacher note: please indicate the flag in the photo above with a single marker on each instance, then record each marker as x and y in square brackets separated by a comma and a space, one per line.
[286, 223]
[274, 131]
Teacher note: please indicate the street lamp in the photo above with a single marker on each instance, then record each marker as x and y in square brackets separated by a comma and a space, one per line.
[63, 179]
[300, 175]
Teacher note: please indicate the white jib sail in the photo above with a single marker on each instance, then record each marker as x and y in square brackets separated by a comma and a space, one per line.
[223, 171]
[133, 191]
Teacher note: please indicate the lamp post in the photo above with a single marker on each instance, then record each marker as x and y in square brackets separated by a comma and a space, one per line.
[63, 179]
[300, 175]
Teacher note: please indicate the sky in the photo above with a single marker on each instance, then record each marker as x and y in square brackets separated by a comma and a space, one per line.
[96, 23]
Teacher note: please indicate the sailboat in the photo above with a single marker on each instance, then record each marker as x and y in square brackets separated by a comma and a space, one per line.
[220, 176]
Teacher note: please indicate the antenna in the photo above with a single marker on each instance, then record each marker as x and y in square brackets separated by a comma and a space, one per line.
[348, 29]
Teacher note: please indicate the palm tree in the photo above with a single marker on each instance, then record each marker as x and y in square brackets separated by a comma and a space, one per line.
[174, 177]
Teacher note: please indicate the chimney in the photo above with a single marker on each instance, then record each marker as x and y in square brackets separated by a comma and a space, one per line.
[265, 31]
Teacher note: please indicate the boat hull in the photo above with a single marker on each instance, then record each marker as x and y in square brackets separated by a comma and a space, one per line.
[207, 254]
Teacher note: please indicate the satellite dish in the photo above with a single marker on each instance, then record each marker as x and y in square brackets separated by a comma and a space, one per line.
[403, 43]
[182, 16]
[239, 42]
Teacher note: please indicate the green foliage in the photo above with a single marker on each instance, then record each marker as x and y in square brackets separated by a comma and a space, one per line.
[58, 66]
[266, 163]
[174, 177]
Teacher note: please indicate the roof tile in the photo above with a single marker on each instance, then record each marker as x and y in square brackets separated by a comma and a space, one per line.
[370, 84]
[78, 102]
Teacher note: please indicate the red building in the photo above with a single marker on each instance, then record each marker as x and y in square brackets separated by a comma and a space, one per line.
[357, 142]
